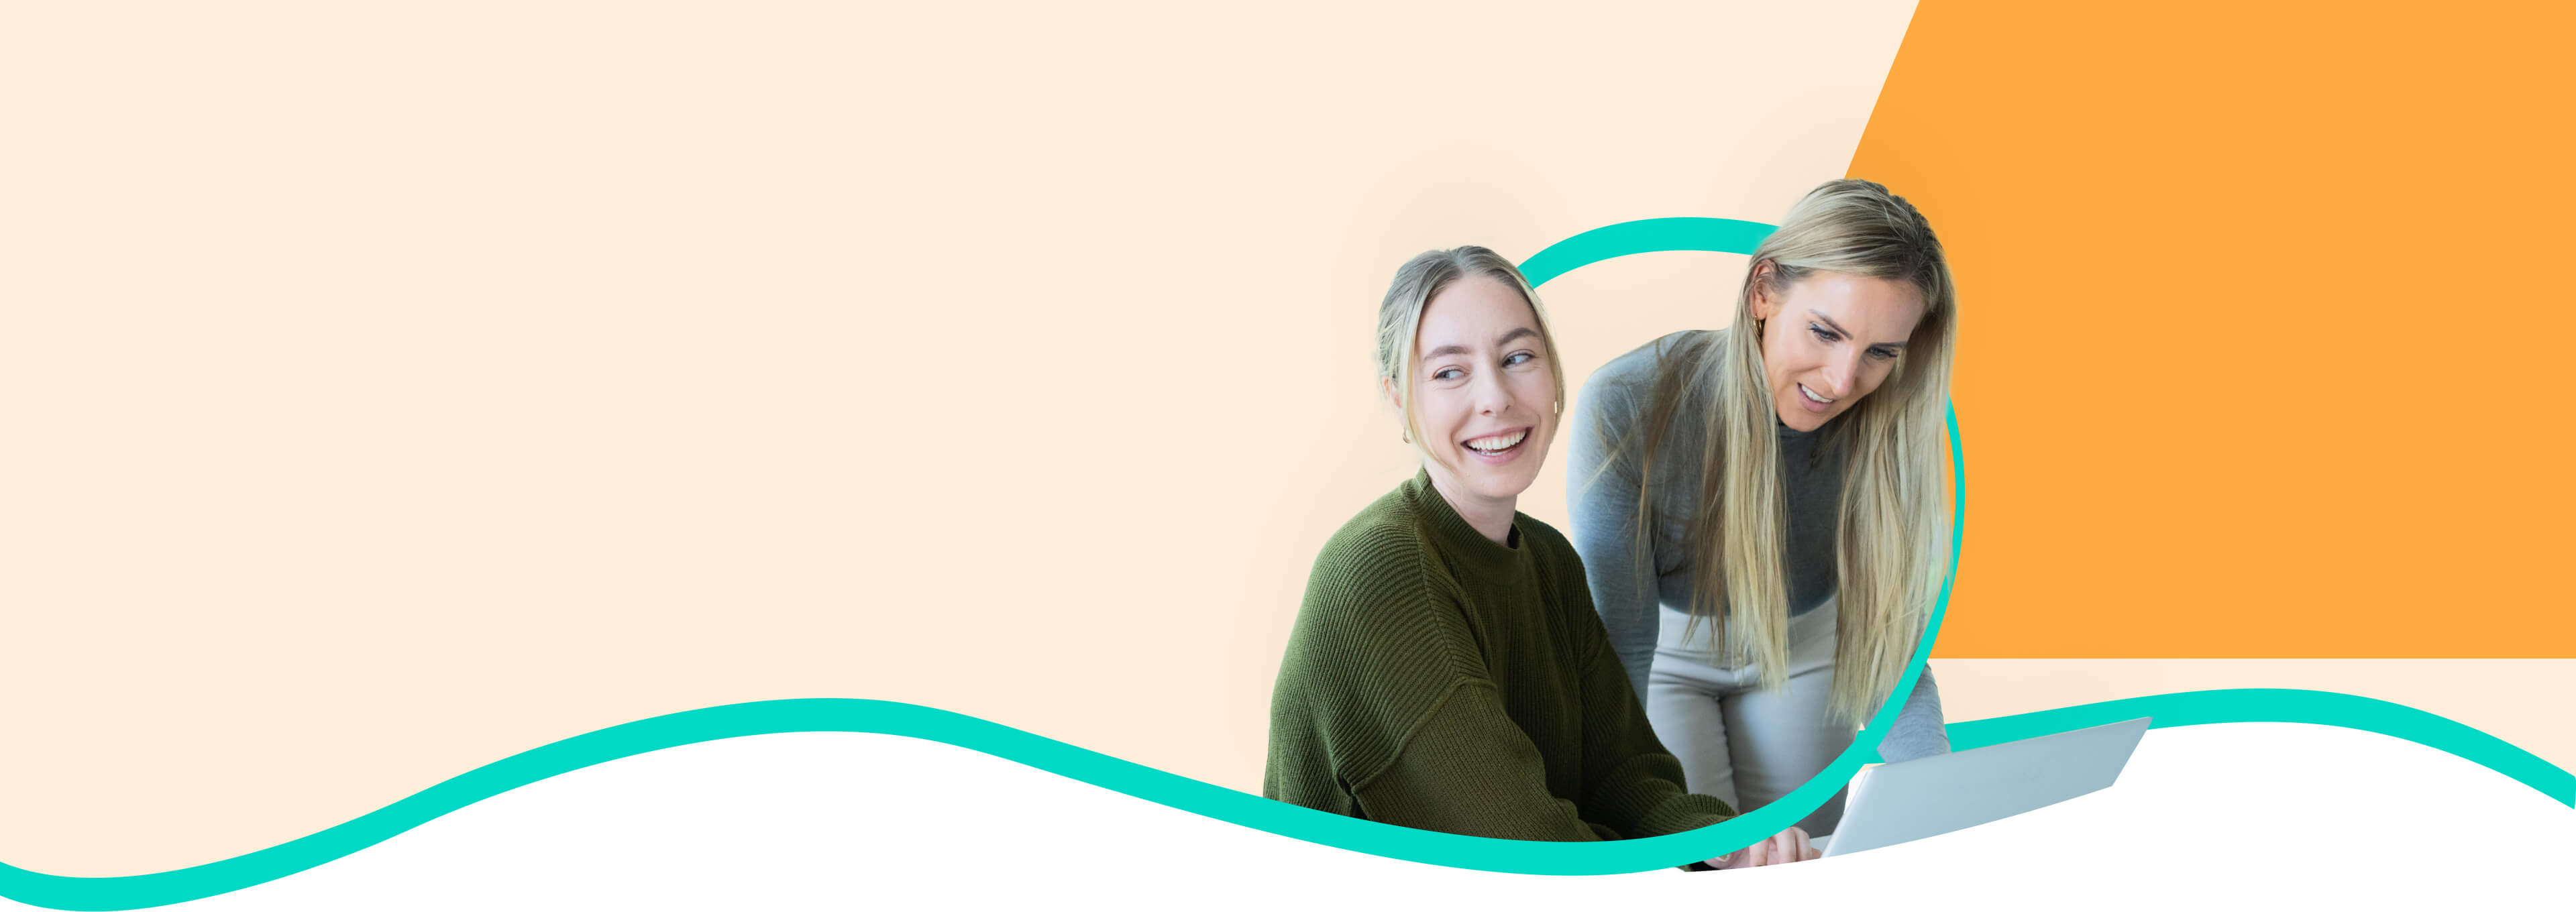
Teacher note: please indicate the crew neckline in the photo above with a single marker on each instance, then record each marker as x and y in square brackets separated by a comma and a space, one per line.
[1455, 534]
[1789, 433]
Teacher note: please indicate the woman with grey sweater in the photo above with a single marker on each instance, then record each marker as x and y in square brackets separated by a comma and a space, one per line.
[1762, 512]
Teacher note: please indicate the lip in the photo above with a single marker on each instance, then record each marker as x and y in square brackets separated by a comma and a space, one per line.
[1504, 456]
[1810, 404]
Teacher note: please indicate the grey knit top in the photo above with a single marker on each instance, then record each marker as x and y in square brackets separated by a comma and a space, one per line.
[1628, 593]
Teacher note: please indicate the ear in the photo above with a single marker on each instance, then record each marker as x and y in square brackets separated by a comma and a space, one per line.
[1403, 422]
[1764, 307]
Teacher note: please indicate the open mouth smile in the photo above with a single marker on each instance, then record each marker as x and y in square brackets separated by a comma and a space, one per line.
[1497, 447]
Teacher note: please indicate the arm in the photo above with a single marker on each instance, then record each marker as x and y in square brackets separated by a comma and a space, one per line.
[1409, 713]
[1467, 769]
[1917, 731]
[1601, 497]
[1631, 783]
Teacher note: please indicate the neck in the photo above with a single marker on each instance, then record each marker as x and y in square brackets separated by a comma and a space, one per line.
[1490, 518]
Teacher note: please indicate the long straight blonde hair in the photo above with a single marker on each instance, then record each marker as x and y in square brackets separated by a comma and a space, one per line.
[1890, 542]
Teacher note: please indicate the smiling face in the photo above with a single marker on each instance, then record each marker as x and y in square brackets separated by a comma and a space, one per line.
[1484, 396]
[1830, 339]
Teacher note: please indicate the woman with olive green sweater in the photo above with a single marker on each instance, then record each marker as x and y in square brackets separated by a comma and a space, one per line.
[1447, 670]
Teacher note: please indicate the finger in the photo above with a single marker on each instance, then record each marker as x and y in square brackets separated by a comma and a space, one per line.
[1757, 854]
[1812, 854]
[1805, 849]
[1786, 848]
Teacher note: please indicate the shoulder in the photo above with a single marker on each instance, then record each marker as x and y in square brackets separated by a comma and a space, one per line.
[1619, 391]
[1379, 604]
[1375, 566]
[1636, 370]
[1385, 537]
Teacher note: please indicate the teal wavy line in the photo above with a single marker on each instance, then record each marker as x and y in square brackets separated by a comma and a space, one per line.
[2314, 707]
[1181, 792]
[883, 717]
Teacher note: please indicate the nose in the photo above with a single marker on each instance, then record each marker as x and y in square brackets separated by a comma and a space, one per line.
[1491, 399]
[1841, 369]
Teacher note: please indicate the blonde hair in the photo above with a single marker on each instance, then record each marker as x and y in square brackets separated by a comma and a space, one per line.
[1399, 321]
[1889, 542]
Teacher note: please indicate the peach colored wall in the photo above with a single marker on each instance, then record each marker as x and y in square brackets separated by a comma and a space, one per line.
[393, 392]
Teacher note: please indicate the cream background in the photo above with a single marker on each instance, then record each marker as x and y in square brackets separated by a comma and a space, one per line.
[390, 393]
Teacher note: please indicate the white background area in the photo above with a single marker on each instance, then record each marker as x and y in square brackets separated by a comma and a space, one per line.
[2240, 815]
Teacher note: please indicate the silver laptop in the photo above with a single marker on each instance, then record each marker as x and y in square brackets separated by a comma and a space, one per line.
[1903, 802]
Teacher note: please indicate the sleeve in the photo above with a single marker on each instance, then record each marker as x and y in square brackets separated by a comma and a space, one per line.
[1415, 723]
[1917, 731]
[1601, 501]
[1467, 769]
[1631, 783]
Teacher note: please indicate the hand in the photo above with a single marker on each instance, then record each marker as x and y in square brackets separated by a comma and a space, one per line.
[1788, 846]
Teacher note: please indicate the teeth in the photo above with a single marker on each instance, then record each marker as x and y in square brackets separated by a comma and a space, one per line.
[1811, 395]
[1496, 444]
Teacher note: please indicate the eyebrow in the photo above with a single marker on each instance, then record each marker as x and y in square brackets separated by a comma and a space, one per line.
[1829, 321]
[1517, 332]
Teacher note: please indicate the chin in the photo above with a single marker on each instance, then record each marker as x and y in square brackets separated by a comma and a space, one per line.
[1500, 487]
[1793, 412]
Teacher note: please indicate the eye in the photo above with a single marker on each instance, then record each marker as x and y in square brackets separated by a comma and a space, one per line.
[1883, 354]
[1823, 333]
[1448, 373]
[1519, 358]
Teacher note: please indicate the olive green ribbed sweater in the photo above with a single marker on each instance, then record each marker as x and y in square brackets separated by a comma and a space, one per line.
[1438, 680]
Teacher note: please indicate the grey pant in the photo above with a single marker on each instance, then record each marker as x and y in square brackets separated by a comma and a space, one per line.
[1736, 741]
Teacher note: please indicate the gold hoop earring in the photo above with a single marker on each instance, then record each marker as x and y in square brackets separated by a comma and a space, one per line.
[1407, 434]
[1757, 327]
